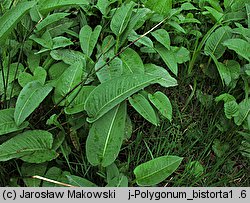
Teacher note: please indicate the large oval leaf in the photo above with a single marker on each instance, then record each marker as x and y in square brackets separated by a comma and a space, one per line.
[131, 62]
[34, 146]
[7, 122]
[143, 107]
[108, 94]
[162, 36]
[156, 170]
[214, 44]
[79, 181]
[106, 135]
[162, 103]
[29, 99]
[162, 7]
[9, 20]
[88, 38]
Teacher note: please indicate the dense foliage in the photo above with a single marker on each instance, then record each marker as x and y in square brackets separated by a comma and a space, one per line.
[125, 93]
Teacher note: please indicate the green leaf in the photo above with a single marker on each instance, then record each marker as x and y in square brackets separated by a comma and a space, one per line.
[162, 103]
[7, 122]
[156, 170]
[68, 56]
[132, 62]
[214, 44]
[29, 99]
[60, 42]
[119, 181]
[146, 41]
[29, 170]
[89, 38]
[48, 5]
[162, 36]
[240, 46]
[231, 109]
[166, 80]
[56, 70]
[110, 71]
[79, 181]
[248, 14]
[50, 19]
[70, 77]
[244, 109]
[77, 105]
[105, 136]
[195, 168]
[128, 128]
[11, 71]
[121, 18]
[56, 174]
[218, 16]
[168, 57]
[162, 7]
[36, 143]
[182, 55]
[143, 107]
[108, 94]
[225, 97]
[10, 18]
[39, 74]
[220, 148]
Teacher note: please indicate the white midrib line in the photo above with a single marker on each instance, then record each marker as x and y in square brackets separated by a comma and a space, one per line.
[109, 132]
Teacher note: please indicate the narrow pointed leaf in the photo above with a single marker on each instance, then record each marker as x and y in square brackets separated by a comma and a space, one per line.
[168, 57]
[132, 62]
[29, 99]
[143, 107]
[156, 170]
[7, 122]
[105, 137]
[121, 18]
[108, 94]
[70, 77]
[9, 20]
[162, 103]
[28, 143]
[48, 5]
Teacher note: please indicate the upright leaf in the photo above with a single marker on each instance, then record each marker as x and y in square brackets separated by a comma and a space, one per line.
[143, 107]
[10, 18]
[231, 109]
[169, 58]
[244, 110]
[162, 103]
[132, 62]
[70, 77]
[162, 36]
[108, 94]
[214, 43]
[7, 122]
[29, 143]
[105, 136]
[121, 18]
[156, 170]
[29, 99]
[88, 38]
